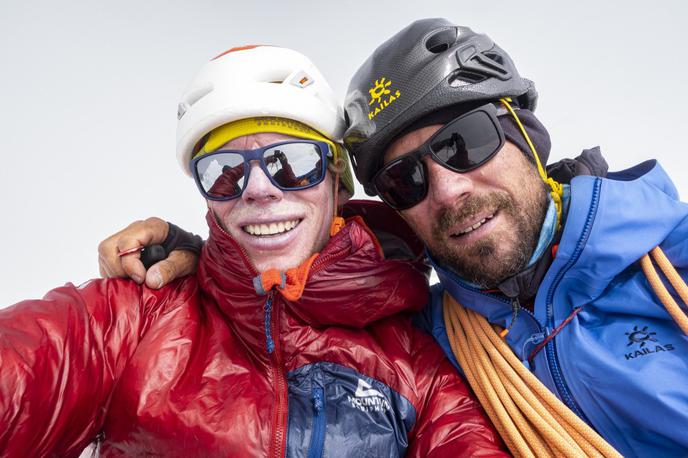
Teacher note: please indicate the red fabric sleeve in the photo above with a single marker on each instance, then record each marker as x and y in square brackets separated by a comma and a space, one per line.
[60, 358]
[451, 422]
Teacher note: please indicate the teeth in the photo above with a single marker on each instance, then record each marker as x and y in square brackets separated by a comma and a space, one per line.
[272, 228]
[475, 226]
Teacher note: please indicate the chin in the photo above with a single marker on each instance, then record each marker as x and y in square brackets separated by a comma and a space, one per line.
[281, 264]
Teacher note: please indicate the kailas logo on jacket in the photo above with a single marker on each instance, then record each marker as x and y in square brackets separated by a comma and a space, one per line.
[368, 399]
[643, 342]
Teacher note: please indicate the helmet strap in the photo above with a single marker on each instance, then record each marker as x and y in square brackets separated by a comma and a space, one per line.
[337, 221]
[556, 189]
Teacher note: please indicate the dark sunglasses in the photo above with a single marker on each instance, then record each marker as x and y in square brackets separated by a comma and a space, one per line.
[290, 166]
[464, 144]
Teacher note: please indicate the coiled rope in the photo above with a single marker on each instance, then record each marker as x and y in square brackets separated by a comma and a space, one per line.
[532, 421]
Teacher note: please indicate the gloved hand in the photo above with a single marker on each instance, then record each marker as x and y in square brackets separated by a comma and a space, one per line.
[120, 254]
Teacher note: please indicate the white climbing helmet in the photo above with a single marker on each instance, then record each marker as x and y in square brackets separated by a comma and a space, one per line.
[254, 81]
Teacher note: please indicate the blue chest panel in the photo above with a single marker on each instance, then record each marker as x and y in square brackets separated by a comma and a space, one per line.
[336, 411]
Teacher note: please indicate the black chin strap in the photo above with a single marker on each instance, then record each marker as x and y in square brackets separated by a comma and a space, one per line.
[524, 285]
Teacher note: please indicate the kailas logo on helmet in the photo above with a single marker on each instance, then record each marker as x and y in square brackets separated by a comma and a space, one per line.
[381, 96]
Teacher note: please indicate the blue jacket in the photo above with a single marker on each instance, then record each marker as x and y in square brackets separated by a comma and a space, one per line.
[622, 363]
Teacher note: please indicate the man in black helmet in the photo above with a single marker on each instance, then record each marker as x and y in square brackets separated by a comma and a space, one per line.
[548, 255]
[441, 127]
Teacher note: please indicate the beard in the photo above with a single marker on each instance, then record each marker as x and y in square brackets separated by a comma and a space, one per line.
[500, 254]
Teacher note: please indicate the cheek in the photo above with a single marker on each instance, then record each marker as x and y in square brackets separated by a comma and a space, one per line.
[222, 210]
[325, 209]
[322, 210]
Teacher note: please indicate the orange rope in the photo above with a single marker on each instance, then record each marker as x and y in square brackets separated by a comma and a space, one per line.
[531, 420]
[660, 290]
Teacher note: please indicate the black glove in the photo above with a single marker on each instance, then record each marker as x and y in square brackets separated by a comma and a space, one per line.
[177, 239]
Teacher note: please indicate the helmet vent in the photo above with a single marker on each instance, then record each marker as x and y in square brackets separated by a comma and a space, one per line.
[464, 77]
[197, 94]
[495, 57]
[441, 40]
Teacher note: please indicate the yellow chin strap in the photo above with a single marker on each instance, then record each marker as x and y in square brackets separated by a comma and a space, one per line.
[557, 189]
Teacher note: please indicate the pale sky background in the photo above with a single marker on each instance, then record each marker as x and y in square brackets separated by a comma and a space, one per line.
[90, 91]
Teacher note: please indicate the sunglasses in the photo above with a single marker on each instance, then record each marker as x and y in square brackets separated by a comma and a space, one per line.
[290, 166]
[464, 144]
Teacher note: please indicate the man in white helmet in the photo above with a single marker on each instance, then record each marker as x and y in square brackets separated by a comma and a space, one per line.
[287, 341]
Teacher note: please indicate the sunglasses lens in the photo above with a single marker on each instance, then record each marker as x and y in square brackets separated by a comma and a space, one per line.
[294, 165]
[221, 176]
[401, 184]
[467, 142]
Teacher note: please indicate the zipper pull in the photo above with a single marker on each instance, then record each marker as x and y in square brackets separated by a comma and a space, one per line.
[318, 399]
[515, 308]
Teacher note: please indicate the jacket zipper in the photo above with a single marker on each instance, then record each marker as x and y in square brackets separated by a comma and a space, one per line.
[318, 432]
[552, 359]
[504, 301]
[273, 348]
[269, 341]
[241, 249]
[281, 401]
[323, 261]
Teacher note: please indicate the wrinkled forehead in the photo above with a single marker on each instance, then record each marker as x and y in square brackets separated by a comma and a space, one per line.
[409, 142]
[253, 141]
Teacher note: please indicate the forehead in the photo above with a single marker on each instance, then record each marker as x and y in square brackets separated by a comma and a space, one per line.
[409, 142]
[253, 141]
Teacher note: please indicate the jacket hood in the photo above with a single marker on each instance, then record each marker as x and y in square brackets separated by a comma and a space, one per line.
[604, 219]
[350, 283]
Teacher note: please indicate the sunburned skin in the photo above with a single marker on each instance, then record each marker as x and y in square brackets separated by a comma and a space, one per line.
[277, 229]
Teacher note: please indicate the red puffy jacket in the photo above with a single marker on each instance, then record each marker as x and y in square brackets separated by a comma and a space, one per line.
[208, 367]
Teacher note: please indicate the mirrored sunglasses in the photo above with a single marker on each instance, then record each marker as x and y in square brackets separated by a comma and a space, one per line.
[290, 166]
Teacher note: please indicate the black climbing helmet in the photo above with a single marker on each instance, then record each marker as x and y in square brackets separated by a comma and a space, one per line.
[430, 65]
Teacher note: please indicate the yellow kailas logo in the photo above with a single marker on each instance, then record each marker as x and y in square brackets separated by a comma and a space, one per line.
[380, 89]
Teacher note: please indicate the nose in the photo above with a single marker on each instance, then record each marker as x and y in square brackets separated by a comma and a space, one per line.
[446, 187]
[259, 187]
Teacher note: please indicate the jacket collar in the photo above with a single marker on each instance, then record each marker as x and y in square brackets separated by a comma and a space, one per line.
[350, 283]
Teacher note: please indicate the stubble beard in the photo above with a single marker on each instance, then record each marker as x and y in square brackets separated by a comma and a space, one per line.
[491, 260]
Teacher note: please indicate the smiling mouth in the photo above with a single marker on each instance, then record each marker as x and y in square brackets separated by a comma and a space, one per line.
[271, 228]
[473, 227]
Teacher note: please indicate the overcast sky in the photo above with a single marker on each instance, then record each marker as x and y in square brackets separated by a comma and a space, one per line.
[90, 91]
